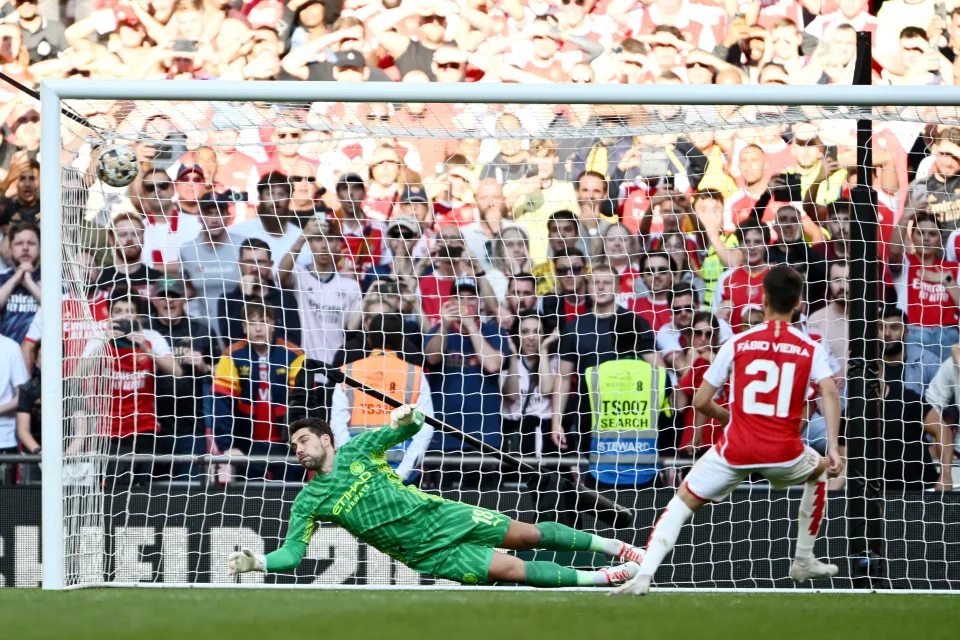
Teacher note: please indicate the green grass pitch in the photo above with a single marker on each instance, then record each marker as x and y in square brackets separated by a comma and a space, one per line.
[172, 614]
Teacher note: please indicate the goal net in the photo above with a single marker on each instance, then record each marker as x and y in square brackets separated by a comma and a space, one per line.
[483, 253]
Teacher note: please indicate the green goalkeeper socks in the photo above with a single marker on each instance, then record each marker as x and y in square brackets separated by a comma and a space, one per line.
[550, 574]
[557, 537]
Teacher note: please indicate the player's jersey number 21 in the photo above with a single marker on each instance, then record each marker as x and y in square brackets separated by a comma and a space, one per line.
[776, 377]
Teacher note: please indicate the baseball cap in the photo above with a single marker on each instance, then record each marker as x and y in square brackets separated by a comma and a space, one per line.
[350, 58]
[187, 169]
[414, 195]
[464, 284]
[221, 199]
[170, 288]
[404, 222]
[351, 178]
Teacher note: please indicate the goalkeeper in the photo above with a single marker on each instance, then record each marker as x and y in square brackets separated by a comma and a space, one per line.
[355, 488]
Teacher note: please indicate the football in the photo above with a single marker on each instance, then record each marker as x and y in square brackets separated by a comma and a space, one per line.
[117, 166]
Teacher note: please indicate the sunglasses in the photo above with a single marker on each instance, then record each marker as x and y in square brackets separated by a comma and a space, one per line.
[449, 66]
[309, 179]
[703, 333]
[293, 135]
[812, 142]
[574, 270]
[581, 80]
[694, 65]
[153, 187]
[404, 235]
[382, 118]
[656, 270]
[431, 19]
[194, 180]
[682, 309]
[579, 3]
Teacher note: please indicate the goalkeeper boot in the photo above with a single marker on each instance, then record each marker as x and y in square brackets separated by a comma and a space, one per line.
[630, 553]
[804, 569]
[620, 573]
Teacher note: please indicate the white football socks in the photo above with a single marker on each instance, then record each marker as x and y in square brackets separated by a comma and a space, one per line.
[813, 505]
[664, 535]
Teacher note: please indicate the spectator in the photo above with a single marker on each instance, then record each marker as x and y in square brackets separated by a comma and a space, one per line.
[791, 248]
[511, 166]
[274, 223]
[125, 240]
[168, 226]
[416, 53]
[673, 338]
[916, 375]
[521, 300]
[209, 262]
[926, 286]
[658, 280]
[570, 299]
[364, 241]
[135, 357]
[596, 210]
[29, 405]
[480, 235]
[310, 60]
[449, 263]
[831, 321]
[13, 375]
[917, 63]
[251, 388]
[181, 408]
[682, 256]
[839, 215]
[902, 453]
[257, 285]
[326, 298]
[464, 360]
[529, 384]
[24, 206]
[511, 256]
[936, 193]
[620, 253]
[353, 411]
[586, 341]
[740, 287]
[754, 178]
[705, 337]
[42, 38]
[547, 195]
[20, 288]
[385, 296]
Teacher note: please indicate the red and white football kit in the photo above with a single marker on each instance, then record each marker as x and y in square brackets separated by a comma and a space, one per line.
[132, 380]
[769, 368]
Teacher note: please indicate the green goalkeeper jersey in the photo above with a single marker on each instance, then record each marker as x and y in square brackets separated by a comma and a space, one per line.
[363, 495]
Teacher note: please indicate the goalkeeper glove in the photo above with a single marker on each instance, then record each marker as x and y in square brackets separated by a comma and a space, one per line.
[245, 560]
[402, 416]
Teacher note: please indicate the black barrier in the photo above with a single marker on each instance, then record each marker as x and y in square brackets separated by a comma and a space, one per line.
[180, 536]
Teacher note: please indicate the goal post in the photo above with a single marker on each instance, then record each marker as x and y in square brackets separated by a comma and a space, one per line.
[74, 553]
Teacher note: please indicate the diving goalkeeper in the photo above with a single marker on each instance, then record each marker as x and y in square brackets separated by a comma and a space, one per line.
[355, 488]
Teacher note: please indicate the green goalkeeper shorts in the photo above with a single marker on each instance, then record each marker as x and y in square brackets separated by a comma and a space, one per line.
[459, 541]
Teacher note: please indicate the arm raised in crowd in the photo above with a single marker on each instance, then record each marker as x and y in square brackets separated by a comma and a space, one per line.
[380, 26]
[295, 63]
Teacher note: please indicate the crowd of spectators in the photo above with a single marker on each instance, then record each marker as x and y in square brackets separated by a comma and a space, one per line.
[503, 248]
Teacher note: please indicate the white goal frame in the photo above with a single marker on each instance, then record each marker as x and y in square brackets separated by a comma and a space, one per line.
[53, 92]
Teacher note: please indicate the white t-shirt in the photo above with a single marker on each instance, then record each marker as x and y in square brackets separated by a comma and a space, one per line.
[13, 375]
[325, 308]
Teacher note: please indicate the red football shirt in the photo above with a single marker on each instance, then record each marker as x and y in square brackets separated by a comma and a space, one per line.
[927, 304]
[712, 430]
[132, 381]
[769, 368]
[655, 313]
